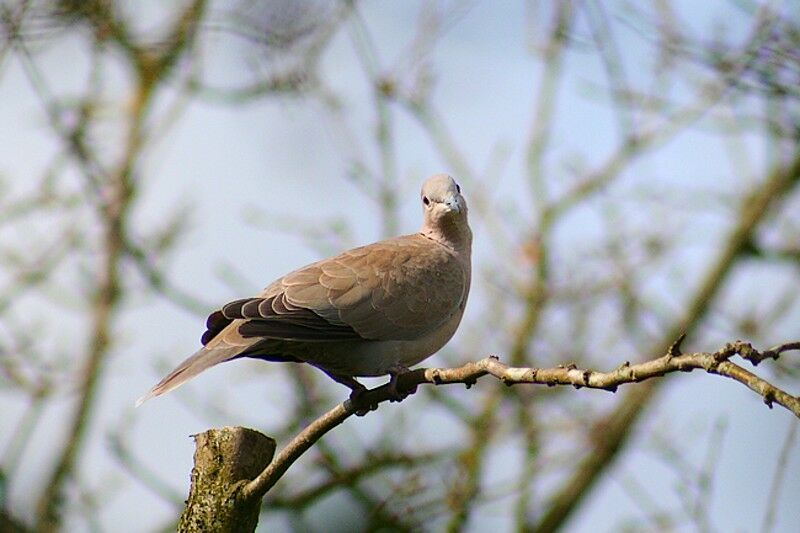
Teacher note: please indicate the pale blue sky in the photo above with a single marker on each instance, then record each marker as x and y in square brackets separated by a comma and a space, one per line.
[278, 154]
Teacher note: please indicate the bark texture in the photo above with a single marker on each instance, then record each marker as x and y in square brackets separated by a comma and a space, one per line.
[225, 460]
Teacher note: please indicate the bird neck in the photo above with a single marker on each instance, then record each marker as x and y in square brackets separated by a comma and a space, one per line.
[452, 233]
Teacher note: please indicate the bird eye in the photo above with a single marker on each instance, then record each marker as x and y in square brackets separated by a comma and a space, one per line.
[425, 200]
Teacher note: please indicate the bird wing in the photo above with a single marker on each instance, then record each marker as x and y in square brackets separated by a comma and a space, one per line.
[398, 289]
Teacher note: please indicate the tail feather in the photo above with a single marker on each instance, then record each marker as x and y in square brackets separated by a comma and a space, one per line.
[201, 360]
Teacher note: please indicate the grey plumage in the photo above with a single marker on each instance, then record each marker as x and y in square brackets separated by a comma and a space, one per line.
[369, 311]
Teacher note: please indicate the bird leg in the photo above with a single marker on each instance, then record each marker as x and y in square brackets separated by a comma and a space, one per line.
[349, 382]
[357, 390]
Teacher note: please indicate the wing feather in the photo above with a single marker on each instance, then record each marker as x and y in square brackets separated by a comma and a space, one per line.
[393, 290]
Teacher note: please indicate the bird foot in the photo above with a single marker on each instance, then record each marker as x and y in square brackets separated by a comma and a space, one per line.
[356, 398]
[395, 395]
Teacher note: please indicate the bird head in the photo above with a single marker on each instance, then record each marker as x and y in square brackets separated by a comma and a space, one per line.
[444, 209]
[441, 197]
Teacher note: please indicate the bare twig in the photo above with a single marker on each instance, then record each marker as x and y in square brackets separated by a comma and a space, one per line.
[348, 476]
[768, 524]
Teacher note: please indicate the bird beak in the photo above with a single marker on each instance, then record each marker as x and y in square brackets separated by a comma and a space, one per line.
[453, 204]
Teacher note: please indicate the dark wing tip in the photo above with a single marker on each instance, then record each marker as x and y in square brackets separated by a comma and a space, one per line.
[215, 323]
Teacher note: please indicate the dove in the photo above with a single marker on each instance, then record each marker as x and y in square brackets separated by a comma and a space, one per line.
[370, 311]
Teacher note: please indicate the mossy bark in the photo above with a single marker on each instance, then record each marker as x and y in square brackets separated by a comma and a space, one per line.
[224, 461]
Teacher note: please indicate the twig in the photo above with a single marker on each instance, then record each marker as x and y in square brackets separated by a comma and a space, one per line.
[346, 477]
[768, 524]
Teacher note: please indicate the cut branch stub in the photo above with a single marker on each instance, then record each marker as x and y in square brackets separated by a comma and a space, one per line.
[224, 461]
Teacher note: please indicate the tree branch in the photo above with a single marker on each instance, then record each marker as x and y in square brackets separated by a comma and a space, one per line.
[673, 361]
[761, 202]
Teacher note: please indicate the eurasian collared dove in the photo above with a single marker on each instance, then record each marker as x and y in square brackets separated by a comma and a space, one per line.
[370, 311]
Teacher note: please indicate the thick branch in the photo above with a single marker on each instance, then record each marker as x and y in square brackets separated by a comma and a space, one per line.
[223, 460]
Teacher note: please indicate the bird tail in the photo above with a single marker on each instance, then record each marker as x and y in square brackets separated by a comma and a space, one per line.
[196, 363]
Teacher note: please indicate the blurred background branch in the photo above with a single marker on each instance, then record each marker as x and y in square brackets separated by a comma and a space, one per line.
[632, 175]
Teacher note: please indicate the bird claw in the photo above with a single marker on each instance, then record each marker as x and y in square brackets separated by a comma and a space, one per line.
[358, 390]
[396, 395]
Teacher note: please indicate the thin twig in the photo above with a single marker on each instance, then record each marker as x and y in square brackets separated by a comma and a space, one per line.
[777, 480]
